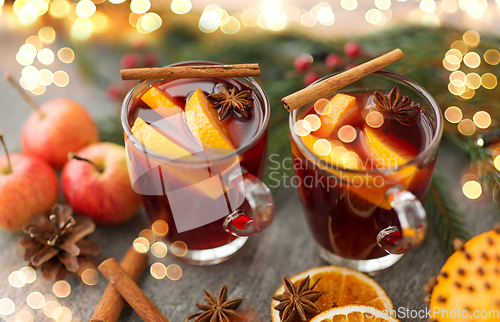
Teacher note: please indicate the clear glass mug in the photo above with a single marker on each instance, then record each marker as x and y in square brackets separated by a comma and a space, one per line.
[208, 202]
[366, 220]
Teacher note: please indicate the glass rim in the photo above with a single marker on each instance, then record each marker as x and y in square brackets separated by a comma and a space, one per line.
[239, 151]
[429, 149]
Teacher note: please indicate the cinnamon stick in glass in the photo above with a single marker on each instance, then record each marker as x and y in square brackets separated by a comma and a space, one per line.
[112, 303]
[129, 290]
[325, 87]
[206, 71]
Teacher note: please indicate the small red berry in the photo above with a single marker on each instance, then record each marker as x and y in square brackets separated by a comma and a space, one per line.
[310, 78]
[113, 91]
[151, 59]
[333, 61]
[353, 49]
[302, 62]
[349, 66]
[129, 60]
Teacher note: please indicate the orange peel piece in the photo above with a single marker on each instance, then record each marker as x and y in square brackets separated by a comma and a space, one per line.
[340, 107]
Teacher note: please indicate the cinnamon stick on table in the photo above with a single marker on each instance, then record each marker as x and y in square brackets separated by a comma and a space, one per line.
[205, 71]
[127, 288]
[112, 303]
[325, 87]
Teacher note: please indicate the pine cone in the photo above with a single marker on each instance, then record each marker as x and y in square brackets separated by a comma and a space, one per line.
[56, 244]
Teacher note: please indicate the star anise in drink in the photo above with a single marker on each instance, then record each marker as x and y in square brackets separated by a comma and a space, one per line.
[217, 310]
[228, 101]
[297, 300]
[395, 106]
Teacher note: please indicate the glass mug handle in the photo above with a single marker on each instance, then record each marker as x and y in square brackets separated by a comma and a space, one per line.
[259, 198]
[412, 217]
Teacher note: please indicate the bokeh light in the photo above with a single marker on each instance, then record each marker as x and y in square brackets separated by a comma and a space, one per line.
[460, 45]
[230, 26]
[496, 162]
[39, 89]
[160, 227]
[45, 56]
[457, 78]
[63, 314]
[158, 271]
[302, 128]
[347, 134]
[314, 121]
[468, 93]
[454, 56]
[141, 245]
[374, 119]
[179, 248]
[453, 114]
[159, 249]
[428, 6]
[250, 18]
[449, 66]
[85, 8]
[82, 28]
[375, 17]
[28, 272]
[473, 80]
[181, 7]
[35, 41]
[61, 289]
[149, 22]
[466, 127]
[472, 189]
[349, 4]
[482, 119]
[489, 81]
[308, 20]
[59, 8]
[61, 78]
[50, 307]
[322, 147]
[322, 107]
[28, 83]
[90, 276]
[471, 38]
[7, 306]
[17, 279]
[174, 272]
[149, 235]
[325, 16]
[36, 300]
[45, 77]
[140, 6]
[22, 59]
[492, 57]
[209, 21]
[116, 1]
[99, 22]
[66, 55]
[47, 34]
[472, 60]
[24, 316]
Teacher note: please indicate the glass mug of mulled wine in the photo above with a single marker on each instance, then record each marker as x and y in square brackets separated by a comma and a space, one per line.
[364, 157]
[198, 168]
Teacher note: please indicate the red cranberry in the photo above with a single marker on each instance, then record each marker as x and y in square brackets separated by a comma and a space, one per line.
[129, 60]
[352, 49]
[302, 62]
[310, 78]
[333, 61]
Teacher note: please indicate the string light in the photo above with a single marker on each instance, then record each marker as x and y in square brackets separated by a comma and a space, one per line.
[453, 114]
[482, 119]
[472, 189]
[472, 60]
[209, 21]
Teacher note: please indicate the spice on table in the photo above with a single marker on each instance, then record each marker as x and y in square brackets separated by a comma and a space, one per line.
[129, 290]
[57, 244]
[297, 300]
[112, 303]
[217, 310]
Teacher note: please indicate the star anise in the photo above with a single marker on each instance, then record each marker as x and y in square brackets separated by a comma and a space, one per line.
[297, 300]
[217, 310]
[396, 106]
[56, 244]
[230, 101]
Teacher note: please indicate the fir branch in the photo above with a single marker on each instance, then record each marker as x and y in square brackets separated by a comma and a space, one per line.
[443, 215]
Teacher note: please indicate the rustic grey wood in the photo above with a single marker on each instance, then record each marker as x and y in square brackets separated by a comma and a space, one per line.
[286, 248]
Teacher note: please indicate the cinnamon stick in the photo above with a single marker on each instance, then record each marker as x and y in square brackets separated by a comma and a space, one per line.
[205, 71]
[318, 90]
[112, 303]
[127, 288]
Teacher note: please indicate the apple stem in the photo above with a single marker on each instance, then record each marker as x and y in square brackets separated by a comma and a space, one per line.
[9, 165]
[72, 155]
[24, 95]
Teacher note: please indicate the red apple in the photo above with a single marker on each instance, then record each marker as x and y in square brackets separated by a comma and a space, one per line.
[28, 186]
[101, 188]
[58, 127]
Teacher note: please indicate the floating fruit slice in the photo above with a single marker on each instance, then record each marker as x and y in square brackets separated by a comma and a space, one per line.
[195, 180]
[342, 286]
[340, 107]
[160, 102]
[157, 142]
[354, 313]
[333, 152]
[469, 282]
[384, 155]
[204, 122]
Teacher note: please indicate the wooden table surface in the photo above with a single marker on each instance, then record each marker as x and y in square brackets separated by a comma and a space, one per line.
[286, 248]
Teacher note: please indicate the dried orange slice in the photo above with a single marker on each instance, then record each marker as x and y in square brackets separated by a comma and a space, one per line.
[160, 102]
[204, 122]
[340, 107]
[342, 286]
[354, 313]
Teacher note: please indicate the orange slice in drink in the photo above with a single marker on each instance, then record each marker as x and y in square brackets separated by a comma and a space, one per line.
[333, 151]
[340, 107]
[160, 102]
[204, 123]
[342, 286]
[382, 152]
[195, 180]
[354, 313]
